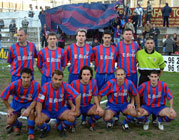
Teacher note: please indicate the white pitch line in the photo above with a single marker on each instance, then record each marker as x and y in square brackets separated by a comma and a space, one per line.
[25, 118]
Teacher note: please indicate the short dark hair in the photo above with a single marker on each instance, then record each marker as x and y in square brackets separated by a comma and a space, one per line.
[127, 29]
[22, 29]
[81, 30]
[107, 32]
[57, 72]
[155, 72]
[26, 70]
[51, 34]
[86, 68]
[149, 38]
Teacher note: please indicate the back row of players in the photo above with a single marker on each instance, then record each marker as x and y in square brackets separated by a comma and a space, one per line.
[50, 100]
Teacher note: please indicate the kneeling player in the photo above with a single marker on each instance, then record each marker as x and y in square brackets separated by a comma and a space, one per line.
[117, 91]
[88, 88]
[51, 103]
[24, 92]
[154, 93]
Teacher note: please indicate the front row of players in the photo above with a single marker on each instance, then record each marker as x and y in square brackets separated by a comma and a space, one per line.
[65, 102]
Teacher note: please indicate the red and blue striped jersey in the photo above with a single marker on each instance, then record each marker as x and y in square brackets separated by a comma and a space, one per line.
[50, 60]
[21, 94]
[52, 99]
[154, 96]
[21, 57]
[127, 57]
[78, 57]
[118, 94]
[104, 58]
[86, 91]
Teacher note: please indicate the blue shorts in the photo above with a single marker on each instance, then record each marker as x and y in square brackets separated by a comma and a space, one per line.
[55, 115]
[101, 79]
[18, 106]
[14, 78]
[45, 79]
[72, 77]
[84, 110]
[116, 108]
[153, 110]
[133, 78]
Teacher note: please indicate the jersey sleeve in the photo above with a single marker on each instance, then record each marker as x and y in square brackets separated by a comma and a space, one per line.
[9, 90]
[167, 92]
[42, 95]
[72, 93]
[141, 89]
[95, 90]
[68, 54]
[38, 92]
[35, 52]
[132, 89]
[40, 59]
[64, 59]
[161, 63]
[10, 56]
[93, 57]
[105, 90]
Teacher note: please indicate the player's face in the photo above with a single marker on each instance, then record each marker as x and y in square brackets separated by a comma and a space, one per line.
[153, 78]
[120, 75]
[86, 75]
[21, 37]
[81, 37]
[107, 39]
[127, 36]
[52, 40]
[149, 45]
[26, 79]
[57, 81]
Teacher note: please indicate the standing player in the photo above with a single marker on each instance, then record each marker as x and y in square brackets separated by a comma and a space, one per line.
[50, 58]
[51, 103]
[154, 94]
[78, 54]
[127, 56]
[117, 92]
[105, 57]
[88, 88]
[21, 55]
[24, 92]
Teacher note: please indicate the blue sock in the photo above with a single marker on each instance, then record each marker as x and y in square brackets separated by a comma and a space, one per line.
[31, 124]
[68, 124]
[17, 124]
[83, 117]
[164, 119]
[110, 121]
[128, 119]
[43, 126]
[143, 119]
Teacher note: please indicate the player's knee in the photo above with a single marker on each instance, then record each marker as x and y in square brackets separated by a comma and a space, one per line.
[107, 117]
[70, 118]
[173, 115]
[11, 120]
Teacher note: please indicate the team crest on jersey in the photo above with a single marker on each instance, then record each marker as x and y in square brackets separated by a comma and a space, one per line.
[30, 53]
[90, 92]
[133, 51]
[59, 56]
[159, 94]
[154, 59]
[116, 94]
[61, 95]
[87, 52]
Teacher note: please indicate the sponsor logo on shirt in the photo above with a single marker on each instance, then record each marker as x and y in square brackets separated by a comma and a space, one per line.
[53, 60]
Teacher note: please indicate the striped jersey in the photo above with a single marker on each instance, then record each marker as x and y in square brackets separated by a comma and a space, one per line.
[52, 99]
[21, 57]
[86, 91]
[127, 57]
[78, 57]
[154, 96]
[104, 58]
[50, 60]
[118, 94]
[21, 94]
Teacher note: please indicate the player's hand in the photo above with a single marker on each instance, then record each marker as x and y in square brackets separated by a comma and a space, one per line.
[131, 106]
[100, 111]
[140, 112]
[26, 112]
[77, 113]
[172, 111]
[10, 112]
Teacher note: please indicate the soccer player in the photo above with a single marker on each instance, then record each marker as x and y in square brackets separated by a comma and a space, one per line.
[50, 58]
[117, 91]
[127, 56]
[51, 103]
[21, 55]
[148, 60]
[24, 92]
[154, 93]
[88, 89]
[104, 56]
[78, 54]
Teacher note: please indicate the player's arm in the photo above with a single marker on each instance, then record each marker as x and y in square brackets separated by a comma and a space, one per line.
[28, 110]
[77, 106]
[98, 108]
[10, 109]
[71, 105]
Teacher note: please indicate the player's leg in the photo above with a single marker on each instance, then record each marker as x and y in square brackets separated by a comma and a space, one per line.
[31, 124]
[108, 115]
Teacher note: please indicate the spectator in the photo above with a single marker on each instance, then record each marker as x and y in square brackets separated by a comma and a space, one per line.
[174, 38]
[1, 24]
[163, 41]
[127, 11]
[117, 34]
[166, 13]
[129, 25]
[125, 17]
[95, 42]
[44, 33]
[0, 40]
[141, 41]
[12, 30]
[169, 44]
[135, 21]
[154, 32]
[149, 11]
[42, 12]
[147, 28]
[31, 15]
[25, 24]
[61, 42]
[139, 11]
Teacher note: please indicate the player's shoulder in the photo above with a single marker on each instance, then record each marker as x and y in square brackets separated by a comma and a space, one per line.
[111, 81]
[35, 83]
